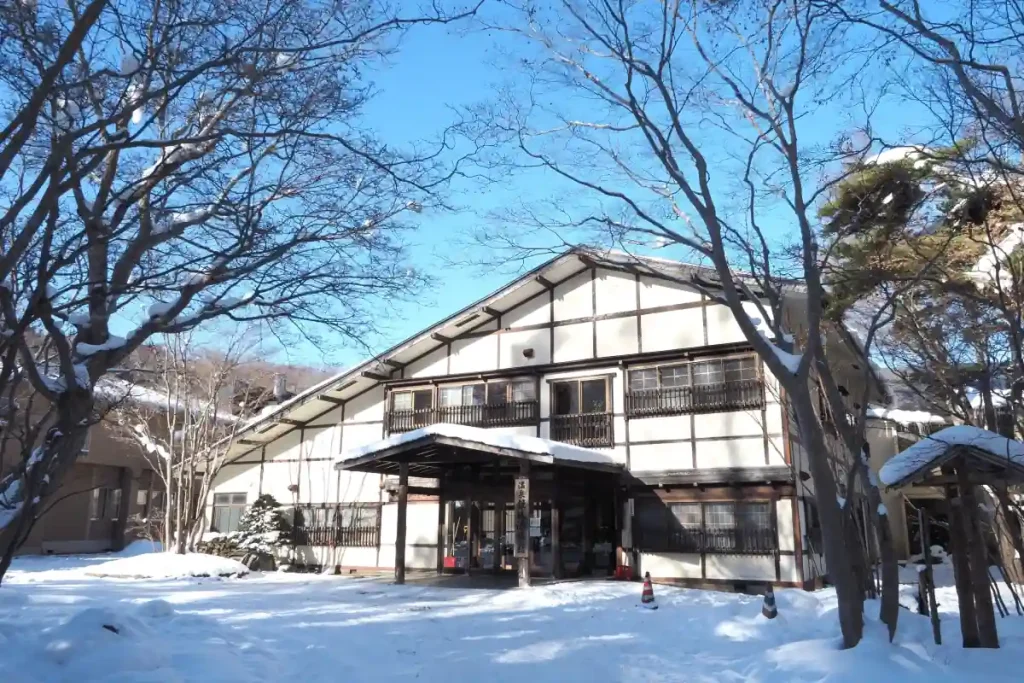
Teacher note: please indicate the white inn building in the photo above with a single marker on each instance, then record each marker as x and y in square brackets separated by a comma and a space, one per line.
[656, 440]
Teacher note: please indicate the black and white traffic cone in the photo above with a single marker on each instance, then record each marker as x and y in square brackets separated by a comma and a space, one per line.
[768, 609]
[647, 597]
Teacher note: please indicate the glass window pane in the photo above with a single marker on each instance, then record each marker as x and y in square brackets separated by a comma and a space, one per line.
[423, 399]
[524, 390]
[708, 372]
[114, 504]
[401, 400]
[567, 398]
[738, 369]
[675, 376]
[721, 516]
[238, 498]
[221, 498]
[497, 393]
[594, 396]
[687, 514]
[473, 394]
[643, 380]
[754, 516]
[451, 396]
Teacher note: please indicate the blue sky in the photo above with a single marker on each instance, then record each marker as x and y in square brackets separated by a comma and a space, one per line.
[437, 69]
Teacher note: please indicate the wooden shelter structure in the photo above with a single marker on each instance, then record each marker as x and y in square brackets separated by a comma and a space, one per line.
[516, 478]
[957, 460]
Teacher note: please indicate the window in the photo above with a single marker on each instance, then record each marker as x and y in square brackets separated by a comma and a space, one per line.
[580, 413]
[710, 385]
[421, 399]
[468, 395]
[731, 528]
[354, 526]
[105, 503]
[227, 511]
[511, 391]
[577, 397]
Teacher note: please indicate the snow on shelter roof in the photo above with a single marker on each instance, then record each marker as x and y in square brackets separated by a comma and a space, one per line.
[932, 451]
[487, 441]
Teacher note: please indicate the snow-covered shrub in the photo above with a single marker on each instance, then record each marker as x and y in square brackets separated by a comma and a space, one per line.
[263, 528]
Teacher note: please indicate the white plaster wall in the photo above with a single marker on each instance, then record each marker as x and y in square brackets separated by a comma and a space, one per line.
[733, 423]
[616, 336]
[318, 482]
[574, 298]
[788, 569]
[431, 365]
[354, 436]
[365, 407]
[616, 292]
[356, 557]
[776, 451]
[671, 565]
[660, 457]
[357, 487]
[659, 428]
[475, 354]
[655, 292]
[740, 567]
[420, 535]
[573, 342]
[238, 478]
[513, 344]
[277, 477]
[328, 419]
[533, 312]
[784, 516]
[747, 452]
[670, 330]
[722, 326]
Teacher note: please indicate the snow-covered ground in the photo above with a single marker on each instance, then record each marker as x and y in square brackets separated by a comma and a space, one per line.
[59, 624]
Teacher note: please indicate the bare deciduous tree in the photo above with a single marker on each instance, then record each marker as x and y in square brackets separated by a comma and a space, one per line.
[173, 162]
[685, 124]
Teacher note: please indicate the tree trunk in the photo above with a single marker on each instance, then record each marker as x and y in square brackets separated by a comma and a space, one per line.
[1009, 524]
[848, 590]
[889, 610]
[60, 449]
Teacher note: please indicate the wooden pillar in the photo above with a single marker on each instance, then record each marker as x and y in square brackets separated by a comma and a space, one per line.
[403, 505]
[556, 529]
[470, 532]
[587, 542]
[441, 508]
[521, 500]
[499, 536]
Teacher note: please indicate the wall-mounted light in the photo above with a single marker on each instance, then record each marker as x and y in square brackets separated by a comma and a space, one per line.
[528, 353]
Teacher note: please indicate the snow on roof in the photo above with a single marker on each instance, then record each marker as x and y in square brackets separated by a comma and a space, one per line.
[488, 437]
[905, 416]
[926, 452]
[896, 154]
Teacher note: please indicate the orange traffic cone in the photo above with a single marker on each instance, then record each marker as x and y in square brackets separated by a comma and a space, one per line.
[647, 597]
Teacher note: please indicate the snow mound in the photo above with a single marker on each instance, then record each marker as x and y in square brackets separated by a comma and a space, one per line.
[168, 566]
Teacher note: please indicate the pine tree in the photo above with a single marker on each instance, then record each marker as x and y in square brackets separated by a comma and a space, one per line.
[263, 528]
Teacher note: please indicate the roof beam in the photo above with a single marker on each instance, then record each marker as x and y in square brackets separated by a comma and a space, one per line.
[330, 399]
[398, 365]
[291, 422]
[249, 442]
[441, 338]
[544, 282]
[375, 375]
[494, 313]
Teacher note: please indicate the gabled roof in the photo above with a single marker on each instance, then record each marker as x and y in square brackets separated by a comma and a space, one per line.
[988, 453]
[325, 396]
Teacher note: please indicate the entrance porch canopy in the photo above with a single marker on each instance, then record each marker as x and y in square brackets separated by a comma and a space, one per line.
[431, 451]
[988, 458]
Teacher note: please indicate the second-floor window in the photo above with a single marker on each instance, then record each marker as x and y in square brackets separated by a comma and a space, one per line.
[494, 403]
[710, 385]
[581, 412]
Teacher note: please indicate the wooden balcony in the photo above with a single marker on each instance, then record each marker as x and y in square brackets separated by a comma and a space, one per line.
[701, 398]
[497, 415]
[591, 430]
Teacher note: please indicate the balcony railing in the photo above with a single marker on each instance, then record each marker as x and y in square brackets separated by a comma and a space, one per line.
[314, 526]
[591, 430]
[497, 415]
[702, 398]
